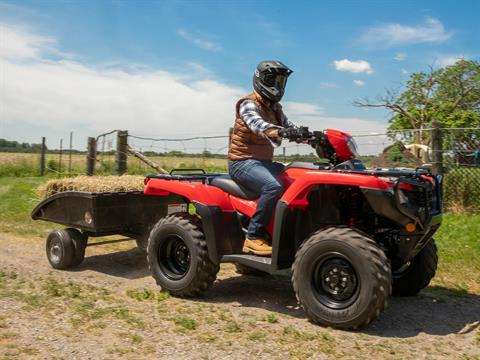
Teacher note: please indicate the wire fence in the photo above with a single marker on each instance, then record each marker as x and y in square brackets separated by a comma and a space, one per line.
[455, 155]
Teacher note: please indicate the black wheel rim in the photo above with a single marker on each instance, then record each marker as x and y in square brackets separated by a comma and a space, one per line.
[335, 281]
[174, 257]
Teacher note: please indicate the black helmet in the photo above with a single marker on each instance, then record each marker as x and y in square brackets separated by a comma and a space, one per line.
[270, 79]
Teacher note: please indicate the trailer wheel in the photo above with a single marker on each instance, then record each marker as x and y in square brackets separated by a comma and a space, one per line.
[341, 278]
[177, 256]
[418, 274]
[60, 249]
[79, 241]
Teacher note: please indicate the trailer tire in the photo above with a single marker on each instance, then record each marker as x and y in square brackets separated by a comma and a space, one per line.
[419, 274]
[341, 278]
[79, 241]
[60, 249]
[178, 258]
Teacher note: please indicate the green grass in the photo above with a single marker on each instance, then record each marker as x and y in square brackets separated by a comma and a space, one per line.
[18, 200]
[184, 323]
[459, 252]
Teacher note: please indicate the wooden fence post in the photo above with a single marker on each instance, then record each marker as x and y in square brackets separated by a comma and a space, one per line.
[91, 156]
[70, 154]
[437, 154]
[60, 158]
[121, 153]
[42, 157]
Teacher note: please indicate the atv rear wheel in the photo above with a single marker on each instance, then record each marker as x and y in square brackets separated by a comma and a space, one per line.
[177, 256]
[418, 274]
[341, 278]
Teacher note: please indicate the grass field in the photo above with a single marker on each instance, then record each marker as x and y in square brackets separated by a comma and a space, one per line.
[457, 239]
[27, 165]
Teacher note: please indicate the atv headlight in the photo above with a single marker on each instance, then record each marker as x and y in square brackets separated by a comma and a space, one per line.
[352, 145]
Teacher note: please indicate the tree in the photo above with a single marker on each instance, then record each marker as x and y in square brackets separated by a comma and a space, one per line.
[449, 95]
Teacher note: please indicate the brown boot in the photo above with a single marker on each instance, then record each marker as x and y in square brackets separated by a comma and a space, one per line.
[257, 247]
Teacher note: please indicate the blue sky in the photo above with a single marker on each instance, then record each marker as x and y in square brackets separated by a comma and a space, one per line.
[160, 67]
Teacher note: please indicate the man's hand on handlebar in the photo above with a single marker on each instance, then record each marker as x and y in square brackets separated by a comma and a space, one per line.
[295, 134]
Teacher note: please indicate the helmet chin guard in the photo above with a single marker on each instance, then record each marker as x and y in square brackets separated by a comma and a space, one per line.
[270, 79]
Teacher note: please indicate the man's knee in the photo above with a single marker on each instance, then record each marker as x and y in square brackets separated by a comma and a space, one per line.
[274, 189]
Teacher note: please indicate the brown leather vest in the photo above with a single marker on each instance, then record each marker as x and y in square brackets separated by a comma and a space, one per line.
[244, 143]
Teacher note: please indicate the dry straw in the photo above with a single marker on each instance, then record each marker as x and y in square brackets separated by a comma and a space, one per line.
[91, 184]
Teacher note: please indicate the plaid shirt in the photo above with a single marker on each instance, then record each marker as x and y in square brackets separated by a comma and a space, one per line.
[249, 113]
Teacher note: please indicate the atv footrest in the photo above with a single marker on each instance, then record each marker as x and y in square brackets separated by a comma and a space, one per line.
[257, 262]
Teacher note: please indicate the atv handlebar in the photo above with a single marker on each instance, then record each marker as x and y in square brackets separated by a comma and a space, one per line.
[316, 139]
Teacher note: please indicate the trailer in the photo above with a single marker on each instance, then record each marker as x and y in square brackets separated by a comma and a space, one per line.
[96, 214]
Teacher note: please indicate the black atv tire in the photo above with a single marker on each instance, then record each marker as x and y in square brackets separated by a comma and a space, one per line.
[79, 241]
[247, 270]
[177, 256]
[419, 273]
[60, 249]
[341, 278]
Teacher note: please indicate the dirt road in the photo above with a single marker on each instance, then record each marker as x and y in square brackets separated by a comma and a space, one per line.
[110, 308]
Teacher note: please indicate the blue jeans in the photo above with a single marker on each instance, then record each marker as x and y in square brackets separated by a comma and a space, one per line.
[259, 176]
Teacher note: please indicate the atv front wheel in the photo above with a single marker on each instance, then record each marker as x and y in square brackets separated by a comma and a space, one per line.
[419, 272]
[341, 278]
[177, 256]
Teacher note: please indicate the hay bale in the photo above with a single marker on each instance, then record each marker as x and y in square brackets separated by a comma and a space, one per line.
[91, 184]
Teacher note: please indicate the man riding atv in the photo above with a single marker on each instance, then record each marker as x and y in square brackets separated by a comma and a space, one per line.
[259, 126]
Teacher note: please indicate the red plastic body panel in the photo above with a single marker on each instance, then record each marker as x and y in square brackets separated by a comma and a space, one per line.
[193, 191]
[297, 183]
[337, 140]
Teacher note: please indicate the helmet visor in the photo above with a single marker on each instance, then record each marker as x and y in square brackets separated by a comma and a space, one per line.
[278, 81]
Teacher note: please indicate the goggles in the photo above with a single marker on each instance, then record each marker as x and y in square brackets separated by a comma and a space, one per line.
[278, 81]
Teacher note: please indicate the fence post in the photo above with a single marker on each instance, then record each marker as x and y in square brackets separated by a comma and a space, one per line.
[70, 154]
[91, 156]
[60, 158]
[437, 154]
[121, 153]
[42, 157]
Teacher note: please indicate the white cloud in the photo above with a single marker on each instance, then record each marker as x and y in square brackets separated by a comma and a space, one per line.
[400, 56]
[432, 30]
[359, 82]
[21, 44]
[199, 40]
[298, 109]
[404, 71]
[358, 66]
[450, 59]
[44, 97]
[63, 95]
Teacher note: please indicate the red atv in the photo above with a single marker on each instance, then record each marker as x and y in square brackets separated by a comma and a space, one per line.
[350, 236]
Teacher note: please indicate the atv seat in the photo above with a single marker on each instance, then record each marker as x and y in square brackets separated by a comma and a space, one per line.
[225, 183]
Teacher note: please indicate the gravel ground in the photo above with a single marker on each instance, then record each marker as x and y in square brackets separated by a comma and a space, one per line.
[110, 308]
